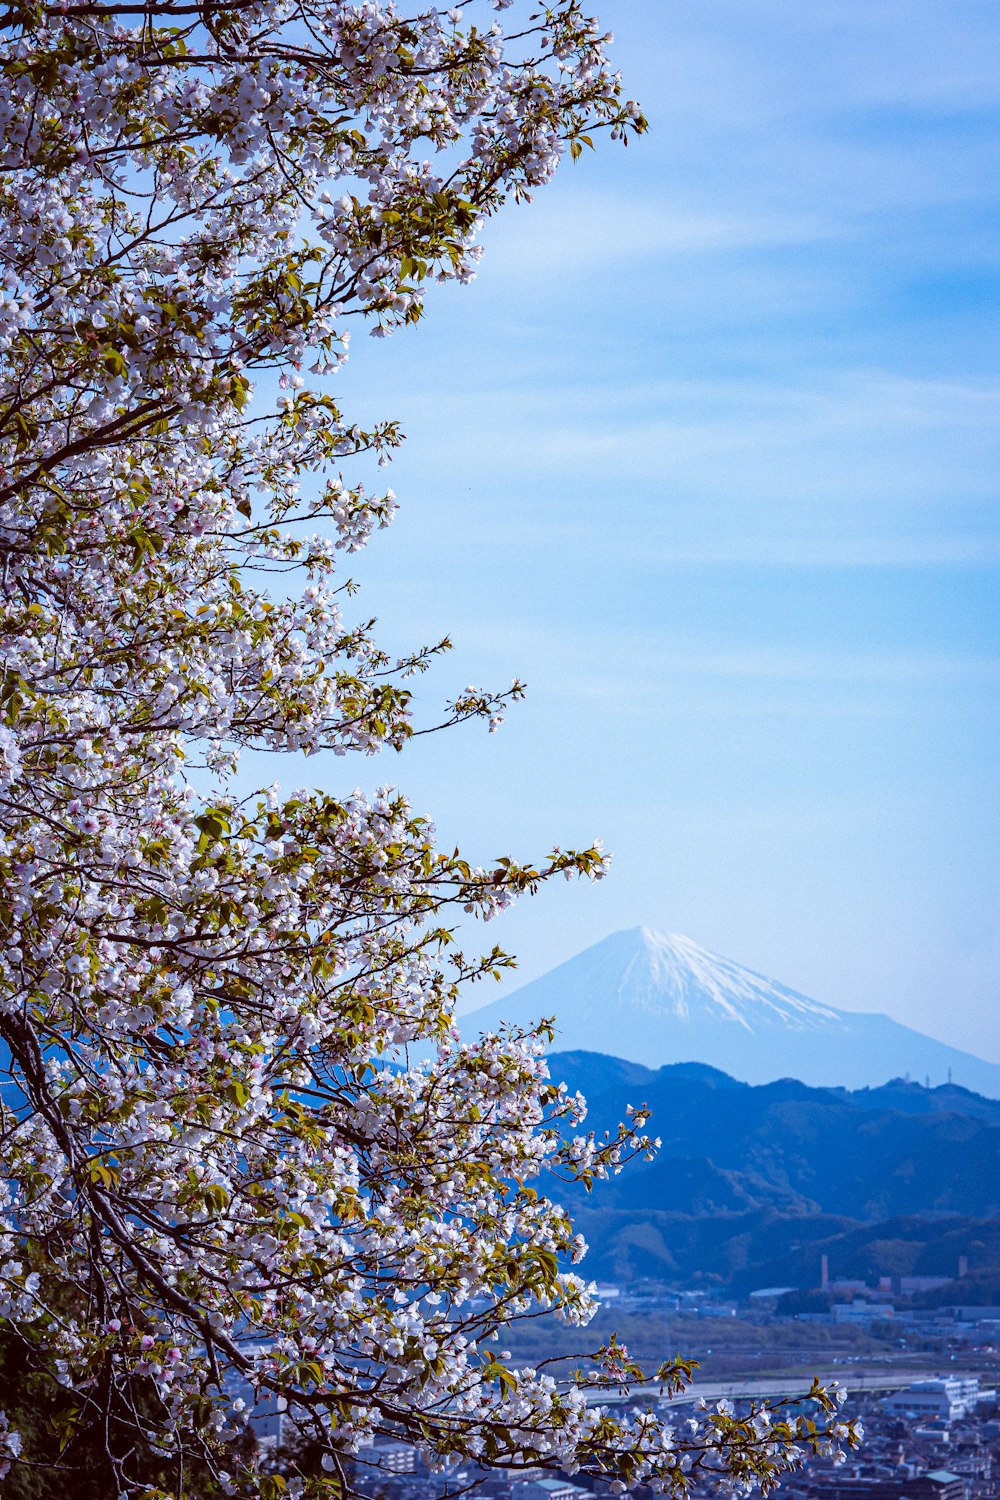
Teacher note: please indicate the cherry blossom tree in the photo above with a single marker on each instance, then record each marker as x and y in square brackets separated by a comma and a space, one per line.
[222, 1165]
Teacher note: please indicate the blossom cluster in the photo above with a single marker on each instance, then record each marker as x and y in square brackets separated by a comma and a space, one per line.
[240, 1135]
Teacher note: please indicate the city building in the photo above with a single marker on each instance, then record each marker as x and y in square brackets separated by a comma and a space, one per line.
[948, 1398]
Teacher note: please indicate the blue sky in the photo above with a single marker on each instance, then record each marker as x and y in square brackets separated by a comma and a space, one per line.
[708, 455]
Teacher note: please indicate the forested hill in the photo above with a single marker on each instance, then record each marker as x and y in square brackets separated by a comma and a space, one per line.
[751, 1182]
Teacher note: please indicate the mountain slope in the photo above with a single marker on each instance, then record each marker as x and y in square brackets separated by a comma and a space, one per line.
[763, 1248]
[753, 1184]
[793, 1149]
[650, 999]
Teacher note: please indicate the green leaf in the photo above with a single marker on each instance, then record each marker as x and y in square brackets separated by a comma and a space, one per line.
[213, 824]
[113, 362]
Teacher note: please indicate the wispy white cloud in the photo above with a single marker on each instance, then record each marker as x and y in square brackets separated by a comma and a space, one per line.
[641, 655]
[598, 231]
[858, 468]
[755, 66]
[829, 552]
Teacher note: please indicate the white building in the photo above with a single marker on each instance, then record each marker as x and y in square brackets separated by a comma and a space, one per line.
[549, 1489]
[393, 1457]
[950, 1397]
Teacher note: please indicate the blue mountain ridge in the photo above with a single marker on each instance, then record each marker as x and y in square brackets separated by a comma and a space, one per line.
[753, 1183]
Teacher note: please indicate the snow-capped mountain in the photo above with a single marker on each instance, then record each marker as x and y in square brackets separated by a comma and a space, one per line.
[654, 1000]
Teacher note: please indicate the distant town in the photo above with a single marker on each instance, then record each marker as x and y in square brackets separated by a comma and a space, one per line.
[938, 1439]
[924, 1382]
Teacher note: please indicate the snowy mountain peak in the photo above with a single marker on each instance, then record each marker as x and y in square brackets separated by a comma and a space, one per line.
[654, 999]
[672, 975]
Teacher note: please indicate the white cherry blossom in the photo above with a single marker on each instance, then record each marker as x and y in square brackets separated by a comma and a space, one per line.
[220, 1156]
